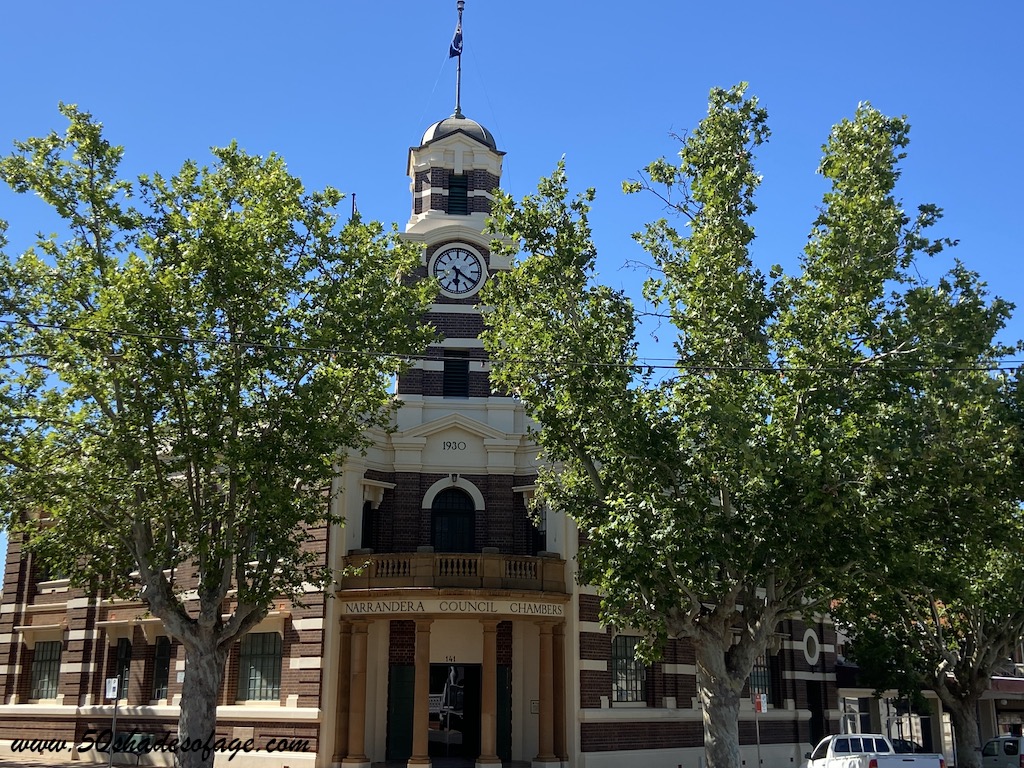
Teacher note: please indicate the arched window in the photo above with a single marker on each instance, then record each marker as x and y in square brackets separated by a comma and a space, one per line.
[452, 516]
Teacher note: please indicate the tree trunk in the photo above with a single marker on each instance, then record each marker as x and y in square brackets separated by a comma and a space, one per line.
[965, 730]
[719, 696]
[204, 672]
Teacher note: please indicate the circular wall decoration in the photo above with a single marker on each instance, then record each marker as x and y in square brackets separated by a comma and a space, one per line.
[812, 648]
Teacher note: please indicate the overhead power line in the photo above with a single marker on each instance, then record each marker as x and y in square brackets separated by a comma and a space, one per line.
[640, 364]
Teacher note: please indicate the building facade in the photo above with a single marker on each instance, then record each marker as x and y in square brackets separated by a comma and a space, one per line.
[457, 632]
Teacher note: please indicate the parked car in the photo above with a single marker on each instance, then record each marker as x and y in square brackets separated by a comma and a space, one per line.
[866, 750]
[907, 747]
[1003, 752]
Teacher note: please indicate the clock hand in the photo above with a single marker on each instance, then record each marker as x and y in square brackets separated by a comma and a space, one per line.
[459, 276]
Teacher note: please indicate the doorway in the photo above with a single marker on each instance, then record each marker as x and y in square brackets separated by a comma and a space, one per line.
[455, 703]
[455, 711]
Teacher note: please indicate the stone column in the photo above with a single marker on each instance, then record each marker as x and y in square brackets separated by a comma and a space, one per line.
[559, 692]
[344, 684]
[545, 719]
[421, 702]
[357, 700]
[489, 696]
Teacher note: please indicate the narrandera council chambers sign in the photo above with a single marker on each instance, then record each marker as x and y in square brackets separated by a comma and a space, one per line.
[454, 606]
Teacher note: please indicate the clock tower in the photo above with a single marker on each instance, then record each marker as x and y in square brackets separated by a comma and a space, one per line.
[453, 174]
[453, 616]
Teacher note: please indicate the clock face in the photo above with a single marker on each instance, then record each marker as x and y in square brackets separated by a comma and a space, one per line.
[459, 271]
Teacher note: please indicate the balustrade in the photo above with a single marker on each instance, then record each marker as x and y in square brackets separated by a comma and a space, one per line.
[447, 569]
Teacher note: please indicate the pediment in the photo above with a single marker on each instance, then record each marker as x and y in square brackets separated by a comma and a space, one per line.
[453, 421]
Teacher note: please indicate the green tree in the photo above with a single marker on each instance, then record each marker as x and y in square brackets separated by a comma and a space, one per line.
[732, 495]
[947, 614]
[179, 375]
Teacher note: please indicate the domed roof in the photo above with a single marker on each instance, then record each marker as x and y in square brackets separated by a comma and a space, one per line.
[458, 122]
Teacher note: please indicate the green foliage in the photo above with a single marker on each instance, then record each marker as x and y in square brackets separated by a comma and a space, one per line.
[182, 368]
[782, 464]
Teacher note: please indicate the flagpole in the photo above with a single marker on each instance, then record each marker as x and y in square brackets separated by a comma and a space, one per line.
[461, 4]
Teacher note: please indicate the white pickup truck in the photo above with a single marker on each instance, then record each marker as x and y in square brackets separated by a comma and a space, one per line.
[866, 750]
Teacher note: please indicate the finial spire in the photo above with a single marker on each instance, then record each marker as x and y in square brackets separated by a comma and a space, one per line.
[456, 50]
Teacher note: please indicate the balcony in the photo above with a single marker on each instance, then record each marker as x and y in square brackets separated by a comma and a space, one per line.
[487, 570]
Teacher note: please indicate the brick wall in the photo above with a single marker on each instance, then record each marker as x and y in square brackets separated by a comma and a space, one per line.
[402, 642]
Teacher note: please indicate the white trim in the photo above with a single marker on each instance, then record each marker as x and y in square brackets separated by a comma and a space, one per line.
[679, 669]
[811, 646]
[307, 625]
[820, 676]
[34, 633]
[305, 662]
[455, 309]
[454, 480]
[80, 634]
[594, 627]
[618, 713]
[593, 665]
[146, 711]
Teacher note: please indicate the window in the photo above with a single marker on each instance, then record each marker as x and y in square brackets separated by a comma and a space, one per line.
[856, 714]
[124, 665]
[45, 669]
[259, 670]
[820, 751]
[991, 749]
[161, 667]
[539, 530]
[629, 676]
[458, 195]
[452, 521]
[1010, 747]
[761, 678]
[455, 382]
[366, 541]
[842, 746]
[50, 572]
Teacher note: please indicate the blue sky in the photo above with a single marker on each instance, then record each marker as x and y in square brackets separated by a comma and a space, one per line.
[342, 89]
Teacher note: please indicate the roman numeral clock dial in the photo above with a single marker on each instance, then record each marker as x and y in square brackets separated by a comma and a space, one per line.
[459, 271]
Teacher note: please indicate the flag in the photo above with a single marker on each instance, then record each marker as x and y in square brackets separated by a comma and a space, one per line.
[455, 49]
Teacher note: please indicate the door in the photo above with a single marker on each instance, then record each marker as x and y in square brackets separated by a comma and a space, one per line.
[401, 689]
[504, 724]
[818, 724]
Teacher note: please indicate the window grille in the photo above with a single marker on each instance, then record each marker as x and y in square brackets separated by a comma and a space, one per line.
[629, 676]
[458, 195]
[761, 679]
[455, 382]
[161, 667]
[259, 669]
[45, 669]
[124, 665]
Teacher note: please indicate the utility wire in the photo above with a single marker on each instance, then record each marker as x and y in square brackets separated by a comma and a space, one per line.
[641, 363]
